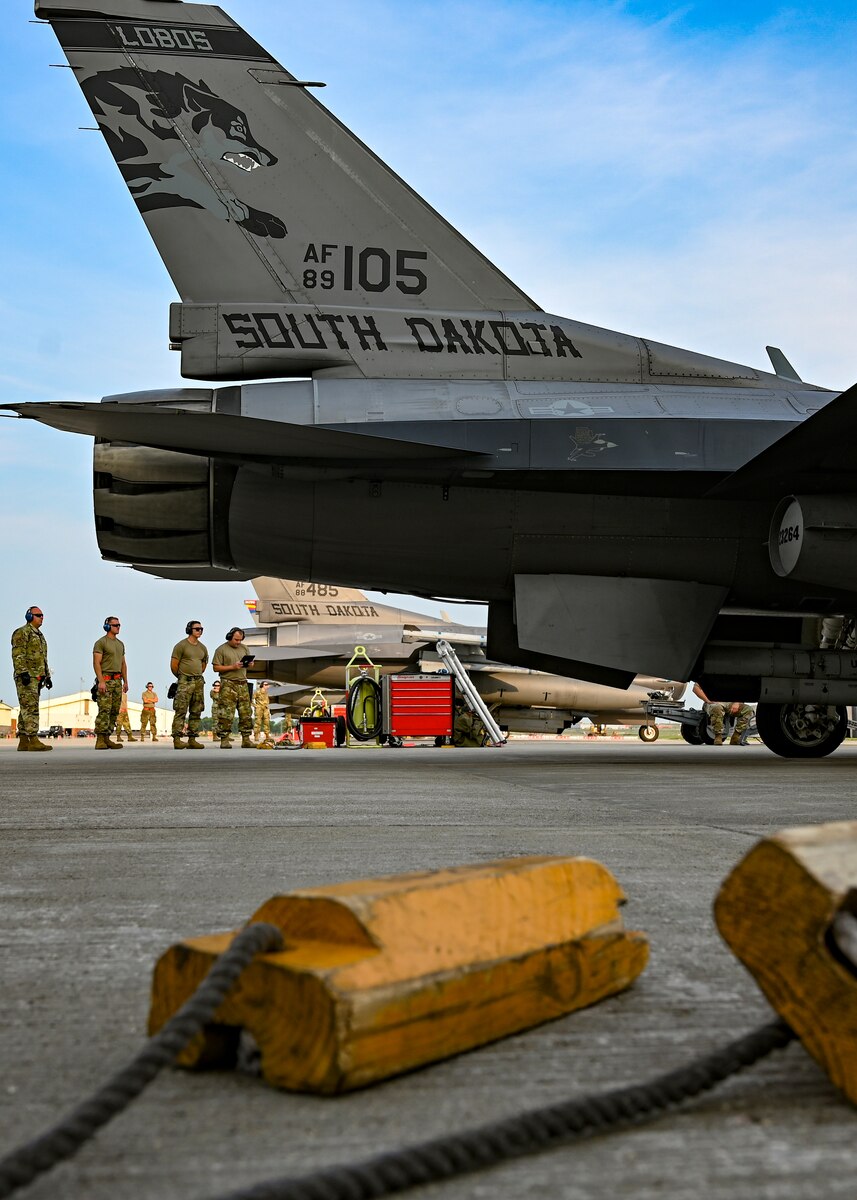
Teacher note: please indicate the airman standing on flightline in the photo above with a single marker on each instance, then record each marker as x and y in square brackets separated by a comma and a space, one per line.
[262, 717]
[716, 712]
[147, 717]
[32, 673]
[111, 677]
[231, 664]
[215, 708]
[188, 662]
[123, 723]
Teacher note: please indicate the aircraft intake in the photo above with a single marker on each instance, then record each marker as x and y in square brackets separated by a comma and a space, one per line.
[813, 539]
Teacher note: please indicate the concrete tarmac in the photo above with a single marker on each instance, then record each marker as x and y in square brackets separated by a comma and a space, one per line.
[105, 860]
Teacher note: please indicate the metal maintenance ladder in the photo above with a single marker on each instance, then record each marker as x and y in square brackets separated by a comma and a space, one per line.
[448, 656]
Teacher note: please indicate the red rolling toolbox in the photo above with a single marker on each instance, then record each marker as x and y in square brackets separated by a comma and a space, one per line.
[417, 705]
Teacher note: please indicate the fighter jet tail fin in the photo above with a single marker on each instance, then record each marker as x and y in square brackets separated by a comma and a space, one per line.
[298, 599]
[251, 189]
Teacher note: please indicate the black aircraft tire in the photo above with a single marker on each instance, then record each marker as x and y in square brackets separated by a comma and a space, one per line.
[340, 731]
[790, 731]
[648, 733]
[690, 733]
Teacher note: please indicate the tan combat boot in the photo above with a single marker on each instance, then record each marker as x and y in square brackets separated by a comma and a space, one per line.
[23, 741]
[226, 742]
[247, 742]
[111, 745]
[178, 744]
[131, 738]
[37, 744]
[193, 744]
[718, 741]
[101, 742]
[154, 739]
[735, 739]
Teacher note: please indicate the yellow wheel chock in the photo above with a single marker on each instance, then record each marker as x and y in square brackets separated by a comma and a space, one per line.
[788, 912]
[383, 975]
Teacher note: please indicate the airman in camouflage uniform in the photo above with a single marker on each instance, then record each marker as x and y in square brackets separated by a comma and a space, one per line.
[716, 713]
[32, 673]
[111, 677]
[467, 729]
[188, 662]
[234, 693]
[147, 717]
[123, 722]
[214, 696]
[262, 716]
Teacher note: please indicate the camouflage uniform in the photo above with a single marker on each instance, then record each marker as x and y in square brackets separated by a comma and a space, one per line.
[838, 633]
[29, 656]
[189, 700]
[215, 711]
[123, 723]
[110, 700]
[234, 693]
[108, 706]
[147, 717]
[716, 714]
[467, 729]
[262, 715]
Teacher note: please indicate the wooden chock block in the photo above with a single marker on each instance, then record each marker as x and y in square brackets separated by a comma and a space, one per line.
[383, 975]
[776, 912]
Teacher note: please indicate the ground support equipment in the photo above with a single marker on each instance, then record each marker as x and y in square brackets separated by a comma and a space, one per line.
[465, 685]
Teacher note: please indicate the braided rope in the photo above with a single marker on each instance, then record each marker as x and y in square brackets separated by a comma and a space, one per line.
[65, 1139]
[539, 1129]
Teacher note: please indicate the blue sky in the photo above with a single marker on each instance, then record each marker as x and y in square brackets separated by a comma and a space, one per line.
[685, 172]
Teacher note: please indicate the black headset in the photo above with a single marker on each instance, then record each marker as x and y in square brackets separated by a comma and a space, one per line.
[189, 627]
[234, 629]
[28, 615]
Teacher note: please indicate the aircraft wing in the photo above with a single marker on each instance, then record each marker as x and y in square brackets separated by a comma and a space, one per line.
[225, 435]
[281, 690]
[817, 456]
[273, 654]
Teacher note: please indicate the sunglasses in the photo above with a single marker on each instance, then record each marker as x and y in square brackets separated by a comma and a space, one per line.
[34, 615]
[115, 624]
[199, 627]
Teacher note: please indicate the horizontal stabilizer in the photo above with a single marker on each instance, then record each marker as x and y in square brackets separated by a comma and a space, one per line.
[189, 574]
[817, 456]
[226, 436]
[273, 654]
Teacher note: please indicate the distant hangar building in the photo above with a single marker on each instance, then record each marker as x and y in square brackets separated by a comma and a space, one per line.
[77, 711]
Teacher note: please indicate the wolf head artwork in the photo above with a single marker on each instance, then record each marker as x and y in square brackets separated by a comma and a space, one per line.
[141, 115]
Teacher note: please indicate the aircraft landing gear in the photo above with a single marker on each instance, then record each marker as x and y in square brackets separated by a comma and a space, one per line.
[801, 730]
[648, 733]
[691, 734]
